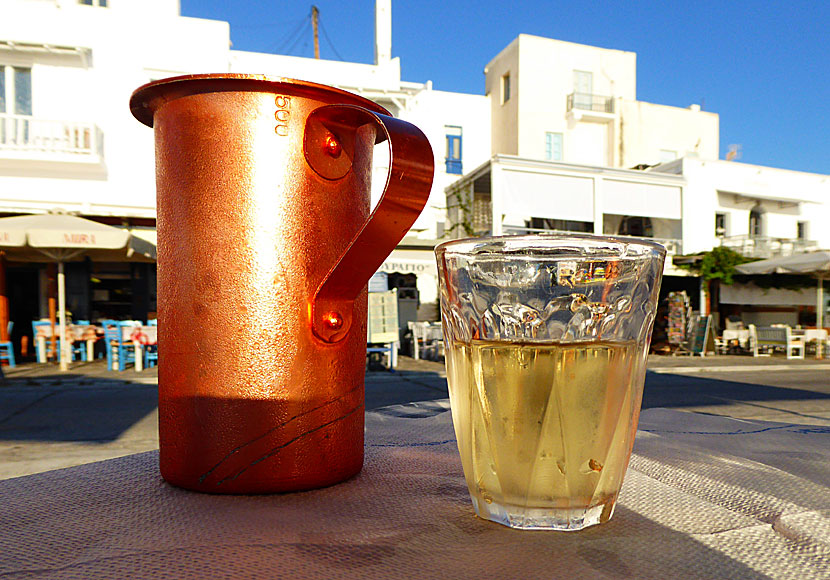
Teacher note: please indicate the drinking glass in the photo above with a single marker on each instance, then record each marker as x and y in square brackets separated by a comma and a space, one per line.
[546, 344]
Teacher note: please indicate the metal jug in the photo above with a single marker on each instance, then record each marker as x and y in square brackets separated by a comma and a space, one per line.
[265, 248]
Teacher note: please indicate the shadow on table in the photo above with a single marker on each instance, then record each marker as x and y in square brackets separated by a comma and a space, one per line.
[383, 390]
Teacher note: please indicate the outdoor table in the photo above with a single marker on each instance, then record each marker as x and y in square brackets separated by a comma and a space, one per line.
[740, 335]
[140, 337]
[704, 497]
[74, 332]
[809, 334]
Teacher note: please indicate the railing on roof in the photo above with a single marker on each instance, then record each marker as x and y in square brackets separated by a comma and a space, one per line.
[673, 246]
[766, 247]
[589, 102]
[24, 133]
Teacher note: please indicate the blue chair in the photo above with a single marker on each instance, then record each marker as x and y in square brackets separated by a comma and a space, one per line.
[151, 351]
[79, 349]
[7, 348]
[119, 351]
[151, 355]
[42, 350]
[74, 352]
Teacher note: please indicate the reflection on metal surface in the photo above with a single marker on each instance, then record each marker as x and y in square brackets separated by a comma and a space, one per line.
[265, 249]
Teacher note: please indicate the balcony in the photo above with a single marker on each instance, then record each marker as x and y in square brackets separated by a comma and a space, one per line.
[764, 247]
[673, 246]
[588, 107]
[23, 137]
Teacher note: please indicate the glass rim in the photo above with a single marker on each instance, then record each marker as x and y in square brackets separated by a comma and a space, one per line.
[478, 246]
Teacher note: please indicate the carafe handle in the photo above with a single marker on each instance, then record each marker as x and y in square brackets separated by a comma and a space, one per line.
[329, 131]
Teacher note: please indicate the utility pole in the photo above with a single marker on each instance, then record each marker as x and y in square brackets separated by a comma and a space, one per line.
[315, 16]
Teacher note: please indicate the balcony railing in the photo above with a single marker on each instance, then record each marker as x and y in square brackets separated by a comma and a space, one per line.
[22, 133]
[673, 246]
[765, 247]
[589, 102]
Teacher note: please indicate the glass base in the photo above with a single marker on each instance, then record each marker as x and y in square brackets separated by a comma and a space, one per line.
[562, 519]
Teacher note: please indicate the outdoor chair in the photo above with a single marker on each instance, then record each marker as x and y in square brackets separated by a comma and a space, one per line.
[765, 339]
[151, 351]
[119, 351]
[7, 348]
[76, 351]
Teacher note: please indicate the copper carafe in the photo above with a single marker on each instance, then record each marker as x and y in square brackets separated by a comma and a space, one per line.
[265, 247]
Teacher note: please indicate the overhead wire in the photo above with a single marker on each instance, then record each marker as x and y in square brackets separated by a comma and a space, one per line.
[326, 35]
[293, 37]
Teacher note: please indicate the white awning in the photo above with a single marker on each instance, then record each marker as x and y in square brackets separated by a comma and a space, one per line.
[546, 195]
[641, 199]
[41, 47]
[750, 294]
[410, 262]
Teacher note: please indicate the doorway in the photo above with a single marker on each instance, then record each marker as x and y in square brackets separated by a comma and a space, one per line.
[23, 291]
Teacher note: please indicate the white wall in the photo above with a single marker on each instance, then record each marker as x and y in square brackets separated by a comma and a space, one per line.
[386, 76]
[130, 43]
[734, 188]
[547, 78]
[504, 116]
[646, 129]
[116, 50]
[542, 76]
[431, 111]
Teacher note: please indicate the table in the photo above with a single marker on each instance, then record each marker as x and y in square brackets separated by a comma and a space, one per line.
[77, 332]
[705, 497]
[810, 334]
[740, 335]
[141, 337]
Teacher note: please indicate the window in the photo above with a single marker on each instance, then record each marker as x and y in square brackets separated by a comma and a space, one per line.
[15, 99]
[636, 226]
[15, 90]
[553, 146]
[801, 230]
[453, 153]
[537, 223]
[505, 88]
[583, 89]
[720, 224]
[756, 222]
[667, 155]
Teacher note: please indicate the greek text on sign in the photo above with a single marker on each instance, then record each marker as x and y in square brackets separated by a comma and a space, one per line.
[404, 267]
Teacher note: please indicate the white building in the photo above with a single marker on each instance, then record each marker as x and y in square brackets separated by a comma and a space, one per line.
[562, 101]
[69, 143]
[559, 141]
[573, 150]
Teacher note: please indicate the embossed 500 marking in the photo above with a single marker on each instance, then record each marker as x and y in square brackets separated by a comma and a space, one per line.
[282, 115]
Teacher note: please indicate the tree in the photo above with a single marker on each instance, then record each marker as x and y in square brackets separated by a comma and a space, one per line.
[717, 264]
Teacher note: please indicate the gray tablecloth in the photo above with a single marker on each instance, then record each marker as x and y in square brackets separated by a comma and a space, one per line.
[705, 497]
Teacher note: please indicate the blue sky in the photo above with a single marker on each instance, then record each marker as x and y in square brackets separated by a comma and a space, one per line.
[764, 67]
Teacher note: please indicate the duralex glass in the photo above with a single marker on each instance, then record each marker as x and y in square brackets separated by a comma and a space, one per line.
[546, 344]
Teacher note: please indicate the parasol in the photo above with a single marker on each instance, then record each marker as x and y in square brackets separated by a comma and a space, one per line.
[810, 263]
[60, 238]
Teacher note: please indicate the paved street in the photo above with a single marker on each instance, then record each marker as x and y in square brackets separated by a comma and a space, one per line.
[49, 420]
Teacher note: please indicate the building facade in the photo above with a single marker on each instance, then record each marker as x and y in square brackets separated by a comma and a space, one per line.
[558, 141]
[68, 142]
[561, 101]
[574, 150]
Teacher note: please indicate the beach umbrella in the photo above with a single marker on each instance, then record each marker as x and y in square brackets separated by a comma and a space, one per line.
[815, 264]
[60, 238]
